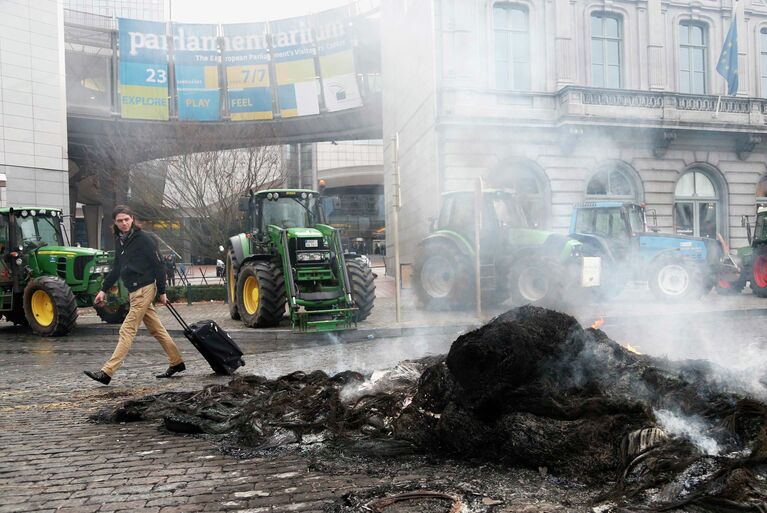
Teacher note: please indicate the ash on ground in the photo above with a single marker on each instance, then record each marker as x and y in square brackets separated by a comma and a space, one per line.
[528, 411]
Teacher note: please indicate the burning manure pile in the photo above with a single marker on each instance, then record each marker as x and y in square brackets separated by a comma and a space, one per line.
[530, 388]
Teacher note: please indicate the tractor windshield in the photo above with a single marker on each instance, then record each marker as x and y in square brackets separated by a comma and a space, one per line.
[290, 212]
[636, 220]
[38, 231]
[509, 212]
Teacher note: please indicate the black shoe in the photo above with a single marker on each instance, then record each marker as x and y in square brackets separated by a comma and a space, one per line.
[100, 376]
[173, 369]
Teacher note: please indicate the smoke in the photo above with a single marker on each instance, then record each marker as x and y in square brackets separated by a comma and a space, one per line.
[724, 331]
[691, 428]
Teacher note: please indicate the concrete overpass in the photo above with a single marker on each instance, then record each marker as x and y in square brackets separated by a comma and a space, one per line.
[102, 146]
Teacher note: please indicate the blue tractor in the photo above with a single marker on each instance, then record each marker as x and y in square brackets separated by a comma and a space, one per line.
[676, 267]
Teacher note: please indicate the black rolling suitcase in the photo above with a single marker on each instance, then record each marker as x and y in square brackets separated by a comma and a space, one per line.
[213, 343]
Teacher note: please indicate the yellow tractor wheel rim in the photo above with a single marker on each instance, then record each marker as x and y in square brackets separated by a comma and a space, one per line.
[250, 295]
[42, 308]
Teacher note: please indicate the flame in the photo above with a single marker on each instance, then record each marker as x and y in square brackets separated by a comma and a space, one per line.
[598, 323]
[631, 348]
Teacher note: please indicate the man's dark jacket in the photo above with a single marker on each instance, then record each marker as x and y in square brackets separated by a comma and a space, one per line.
[137, 262]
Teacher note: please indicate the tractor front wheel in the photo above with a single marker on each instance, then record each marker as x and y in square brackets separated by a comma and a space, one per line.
[759, 276]
[260, 294]
[537, 281]
[50, 306]
[231, 286]
[113, 314]
[362, 286]
[443, 277]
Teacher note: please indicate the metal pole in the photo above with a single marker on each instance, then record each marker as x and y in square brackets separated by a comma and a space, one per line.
[396, 204]
[300, 171]
[477, 260]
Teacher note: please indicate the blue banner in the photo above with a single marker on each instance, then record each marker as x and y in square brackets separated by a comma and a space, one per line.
[293, 52]
[143, 70]
[246, 62]
[195, 54]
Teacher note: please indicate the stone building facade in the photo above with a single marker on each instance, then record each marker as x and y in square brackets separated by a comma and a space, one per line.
[571, 100]
[33, 121]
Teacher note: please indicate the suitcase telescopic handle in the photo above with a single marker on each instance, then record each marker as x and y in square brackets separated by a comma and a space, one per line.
[177, 316]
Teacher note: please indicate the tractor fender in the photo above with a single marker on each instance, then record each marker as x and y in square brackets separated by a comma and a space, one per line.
[241, 248]
[595, 244]
[559, 246]
[675, 254]
[457, 240]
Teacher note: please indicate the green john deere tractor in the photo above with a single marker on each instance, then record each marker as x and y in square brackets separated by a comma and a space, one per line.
[43, 281]
[291, 257]
[517, 263]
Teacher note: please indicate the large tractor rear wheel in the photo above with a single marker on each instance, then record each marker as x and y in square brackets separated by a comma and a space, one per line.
[443, 277]
[231, 286]
[113, 314]
[50, 306]
[260, 294]
[759, 276]
[363, 288]
[536, 280]
[671, 279]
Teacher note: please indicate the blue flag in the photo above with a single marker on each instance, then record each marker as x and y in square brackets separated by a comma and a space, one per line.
[728, 59]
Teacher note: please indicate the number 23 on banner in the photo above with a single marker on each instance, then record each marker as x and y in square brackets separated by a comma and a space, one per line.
[156, 76]
[243, 77]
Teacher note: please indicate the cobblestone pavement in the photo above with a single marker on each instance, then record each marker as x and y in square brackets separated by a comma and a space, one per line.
[52, 458]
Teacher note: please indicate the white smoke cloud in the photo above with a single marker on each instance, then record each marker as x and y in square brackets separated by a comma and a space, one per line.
[691, 428]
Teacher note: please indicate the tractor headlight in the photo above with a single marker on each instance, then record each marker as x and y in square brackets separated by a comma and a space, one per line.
[19, 261]
[312, 256]
[103, 269]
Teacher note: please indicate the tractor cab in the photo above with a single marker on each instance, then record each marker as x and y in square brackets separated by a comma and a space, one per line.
[34, 229]
[286, 209]
[609, 227]
[501, 214]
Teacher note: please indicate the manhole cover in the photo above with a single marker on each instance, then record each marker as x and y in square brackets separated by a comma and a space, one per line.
[416, 502]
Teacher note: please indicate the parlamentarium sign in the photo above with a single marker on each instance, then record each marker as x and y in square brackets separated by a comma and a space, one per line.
[242, 71]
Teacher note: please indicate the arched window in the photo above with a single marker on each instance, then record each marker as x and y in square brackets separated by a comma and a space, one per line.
[697, 205]
[693, 53]
[612, 183]
[606, 49]
[511, 29]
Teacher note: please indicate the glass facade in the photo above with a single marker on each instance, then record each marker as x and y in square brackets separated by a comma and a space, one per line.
[138, 9]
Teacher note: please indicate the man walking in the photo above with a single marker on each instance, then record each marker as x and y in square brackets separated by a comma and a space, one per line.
[138, 263]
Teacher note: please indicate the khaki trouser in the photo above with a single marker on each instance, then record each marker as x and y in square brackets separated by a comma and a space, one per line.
[141, 308]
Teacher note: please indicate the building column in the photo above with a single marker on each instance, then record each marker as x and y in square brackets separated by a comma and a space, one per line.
[93, 216]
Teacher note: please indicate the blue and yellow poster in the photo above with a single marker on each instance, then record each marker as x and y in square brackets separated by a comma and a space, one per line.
[195, 54]
[293, 53]
[337, 71]
[143, 70]
[246, 62]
